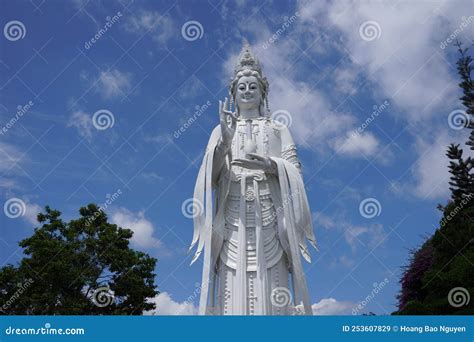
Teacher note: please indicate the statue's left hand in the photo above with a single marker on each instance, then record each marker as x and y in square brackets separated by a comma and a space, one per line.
[256, 162]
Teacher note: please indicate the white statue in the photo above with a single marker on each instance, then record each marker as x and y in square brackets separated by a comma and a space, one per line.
[256, 217]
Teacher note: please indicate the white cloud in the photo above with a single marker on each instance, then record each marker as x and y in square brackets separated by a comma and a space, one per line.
[313, 121]
[161, 28]
[312, 117]
[8, 184]
[330, 306]
[80, 4]
[405, 64]
[11, 160]
[152, 177]
[356, 145]
[324, 221]
[430, 171]
[165, 305]
[9, 156]
[356, 236]
[406, 60]
[83, 123]
[346, 261]
[142, 228]
[345, 80]
[113, 83]
[32, 211]
[363, 236]
[353, 235]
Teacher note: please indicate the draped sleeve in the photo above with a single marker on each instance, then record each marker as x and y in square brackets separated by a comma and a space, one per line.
[296, 223]
[209, 199]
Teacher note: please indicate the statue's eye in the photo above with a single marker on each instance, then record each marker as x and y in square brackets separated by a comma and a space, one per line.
[253, 86]
[242, 87]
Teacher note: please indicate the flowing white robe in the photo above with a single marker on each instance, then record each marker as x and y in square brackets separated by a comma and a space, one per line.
[269, 213]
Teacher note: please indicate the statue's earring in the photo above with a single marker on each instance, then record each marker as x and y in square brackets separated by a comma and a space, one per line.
[268, 107]
[231, 105]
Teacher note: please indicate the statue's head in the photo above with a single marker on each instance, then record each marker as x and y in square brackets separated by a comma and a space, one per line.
[248, 88]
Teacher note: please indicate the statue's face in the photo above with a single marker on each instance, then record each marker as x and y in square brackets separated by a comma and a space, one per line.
[249, 94]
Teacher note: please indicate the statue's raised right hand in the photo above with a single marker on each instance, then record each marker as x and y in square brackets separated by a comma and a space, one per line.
[227, 131]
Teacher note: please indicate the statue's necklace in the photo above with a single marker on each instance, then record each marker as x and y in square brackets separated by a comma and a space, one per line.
[249, 145]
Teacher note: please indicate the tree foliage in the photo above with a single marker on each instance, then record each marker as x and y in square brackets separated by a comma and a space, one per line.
[80, 267]
[445, 261]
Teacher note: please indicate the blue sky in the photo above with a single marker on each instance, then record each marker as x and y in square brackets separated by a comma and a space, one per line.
[334, 68]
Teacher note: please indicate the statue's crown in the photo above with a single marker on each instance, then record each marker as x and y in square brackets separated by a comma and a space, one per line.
[247, 61]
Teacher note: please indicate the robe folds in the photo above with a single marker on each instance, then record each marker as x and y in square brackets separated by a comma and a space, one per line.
[274, 236]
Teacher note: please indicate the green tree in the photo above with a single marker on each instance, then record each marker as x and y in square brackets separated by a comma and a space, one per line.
[438, 277]
[81, 267]
[461, 169]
